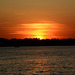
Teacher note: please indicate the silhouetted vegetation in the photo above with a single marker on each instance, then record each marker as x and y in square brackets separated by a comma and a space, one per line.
[36, 42]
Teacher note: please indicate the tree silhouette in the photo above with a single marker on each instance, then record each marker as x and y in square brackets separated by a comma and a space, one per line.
[36, 42]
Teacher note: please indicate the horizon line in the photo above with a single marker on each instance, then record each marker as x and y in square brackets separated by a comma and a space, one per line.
[38, 38]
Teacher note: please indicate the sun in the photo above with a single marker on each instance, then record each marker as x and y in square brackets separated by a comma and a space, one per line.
[40, 37]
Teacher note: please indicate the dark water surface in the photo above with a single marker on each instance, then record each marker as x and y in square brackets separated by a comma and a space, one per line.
[40, 60]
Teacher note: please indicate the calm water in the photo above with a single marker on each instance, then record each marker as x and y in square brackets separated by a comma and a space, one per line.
[40, 60]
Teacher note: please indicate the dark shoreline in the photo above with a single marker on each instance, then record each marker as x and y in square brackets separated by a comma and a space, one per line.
[36, 42]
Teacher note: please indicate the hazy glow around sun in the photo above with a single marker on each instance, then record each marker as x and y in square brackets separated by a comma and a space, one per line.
[38, 30]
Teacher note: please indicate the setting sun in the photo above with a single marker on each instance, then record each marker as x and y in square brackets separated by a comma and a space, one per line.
[37, 30]
[40, 37]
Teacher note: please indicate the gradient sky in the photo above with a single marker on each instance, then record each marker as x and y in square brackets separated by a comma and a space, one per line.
[37, 18]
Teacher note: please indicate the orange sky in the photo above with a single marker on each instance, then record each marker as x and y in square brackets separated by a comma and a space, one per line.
[37, 19]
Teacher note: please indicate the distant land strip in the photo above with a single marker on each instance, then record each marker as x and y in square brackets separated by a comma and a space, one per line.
[36, 42]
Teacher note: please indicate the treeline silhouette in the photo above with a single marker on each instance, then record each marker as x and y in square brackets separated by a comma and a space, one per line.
[36, 42]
